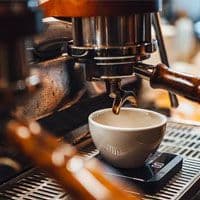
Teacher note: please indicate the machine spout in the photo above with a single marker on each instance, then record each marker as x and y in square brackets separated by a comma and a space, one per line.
[120, 96]
[120, 99]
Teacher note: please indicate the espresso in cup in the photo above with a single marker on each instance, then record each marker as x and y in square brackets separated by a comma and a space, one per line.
[128, 139]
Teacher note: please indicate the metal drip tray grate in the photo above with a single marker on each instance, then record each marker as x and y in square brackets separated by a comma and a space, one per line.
[180, 139]
[183, 140]
[35, 185]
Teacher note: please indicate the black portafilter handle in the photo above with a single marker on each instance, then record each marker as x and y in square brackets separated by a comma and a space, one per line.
[161, 77]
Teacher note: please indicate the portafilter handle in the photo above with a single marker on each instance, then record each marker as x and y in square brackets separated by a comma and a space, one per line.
[162, 77]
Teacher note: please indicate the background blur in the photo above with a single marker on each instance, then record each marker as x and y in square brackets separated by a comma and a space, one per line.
[181, 30]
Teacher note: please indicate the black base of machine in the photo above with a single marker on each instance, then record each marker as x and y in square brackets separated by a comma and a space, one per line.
[151, 177]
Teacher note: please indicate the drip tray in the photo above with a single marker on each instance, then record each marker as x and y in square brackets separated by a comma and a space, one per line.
[180, 139]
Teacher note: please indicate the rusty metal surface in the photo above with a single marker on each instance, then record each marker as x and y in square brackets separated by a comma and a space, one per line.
[56, 76]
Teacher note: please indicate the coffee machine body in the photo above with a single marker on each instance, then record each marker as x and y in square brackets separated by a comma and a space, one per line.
[109, 44]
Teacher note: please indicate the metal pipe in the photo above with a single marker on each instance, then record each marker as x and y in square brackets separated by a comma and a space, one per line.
[163, 53]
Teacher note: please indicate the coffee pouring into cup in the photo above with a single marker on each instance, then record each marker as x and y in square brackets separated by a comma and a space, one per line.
[128, 139]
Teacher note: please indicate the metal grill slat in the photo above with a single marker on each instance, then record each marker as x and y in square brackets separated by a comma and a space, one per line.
[19, 191]
[52, 192]
[53, 188]
[7, 196]
[165, 196]
[173, 187]
[39, 197]
[24, 188]
[149, 197]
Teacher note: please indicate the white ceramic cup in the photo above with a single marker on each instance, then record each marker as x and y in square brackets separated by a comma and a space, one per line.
[126, 140]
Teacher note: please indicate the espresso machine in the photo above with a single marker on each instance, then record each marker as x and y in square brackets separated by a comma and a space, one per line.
[105, 43]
